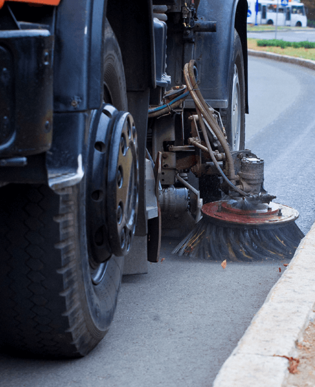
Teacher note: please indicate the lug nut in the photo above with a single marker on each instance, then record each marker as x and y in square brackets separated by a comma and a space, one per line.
[122, 238]
[119, 178]
[119, 214]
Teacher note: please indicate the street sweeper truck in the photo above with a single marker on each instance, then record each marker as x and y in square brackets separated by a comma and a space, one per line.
[113, 114]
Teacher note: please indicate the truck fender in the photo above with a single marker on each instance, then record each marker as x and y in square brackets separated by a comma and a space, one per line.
[213, 51]
[78, 78]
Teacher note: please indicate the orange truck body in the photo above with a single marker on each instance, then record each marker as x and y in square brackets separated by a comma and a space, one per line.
[43, 2]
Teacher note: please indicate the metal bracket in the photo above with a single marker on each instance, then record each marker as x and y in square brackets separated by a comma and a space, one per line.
[195, 192]
[150, 191]
[13, 162]
[57, 182]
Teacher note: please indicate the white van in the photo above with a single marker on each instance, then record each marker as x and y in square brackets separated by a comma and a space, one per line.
[292, 15]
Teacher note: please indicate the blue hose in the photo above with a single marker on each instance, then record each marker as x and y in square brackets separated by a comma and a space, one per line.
[182, 96]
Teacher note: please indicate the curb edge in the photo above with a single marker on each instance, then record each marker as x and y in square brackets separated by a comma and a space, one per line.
[310, 64]
[259, 357]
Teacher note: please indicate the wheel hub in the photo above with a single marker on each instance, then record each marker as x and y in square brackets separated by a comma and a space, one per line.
[112, 186]
[123, 184]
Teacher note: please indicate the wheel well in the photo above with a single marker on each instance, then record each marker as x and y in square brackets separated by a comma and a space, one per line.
[137, 48]
[241, 28]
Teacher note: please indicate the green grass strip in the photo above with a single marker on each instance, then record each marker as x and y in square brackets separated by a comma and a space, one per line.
[284, 44]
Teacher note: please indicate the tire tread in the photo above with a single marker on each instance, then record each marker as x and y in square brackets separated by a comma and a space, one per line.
[32, 318]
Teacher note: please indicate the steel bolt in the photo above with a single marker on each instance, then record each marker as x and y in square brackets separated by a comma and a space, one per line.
[47, 126]
[46, 58]
[76, 100]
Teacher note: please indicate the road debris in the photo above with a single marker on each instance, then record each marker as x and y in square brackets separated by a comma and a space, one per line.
[223, 264]
[306, 354]
[293, 364]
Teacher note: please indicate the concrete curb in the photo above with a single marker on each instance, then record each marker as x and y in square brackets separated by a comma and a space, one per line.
[283, 58]
[258, 360]
[284, 30]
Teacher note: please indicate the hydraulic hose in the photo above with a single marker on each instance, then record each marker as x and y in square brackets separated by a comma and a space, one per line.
[204, 109]
[214, 160]
[160, 110]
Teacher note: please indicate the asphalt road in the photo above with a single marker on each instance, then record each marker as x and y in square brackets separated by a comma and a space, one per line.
[176, 325]
[281, 130]
[290, 36]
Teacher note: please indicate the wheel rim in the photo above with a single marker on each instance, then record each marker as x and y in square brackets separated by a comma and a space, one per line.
[112, 188]
[123, 185]
[98, 273]
[236, 116]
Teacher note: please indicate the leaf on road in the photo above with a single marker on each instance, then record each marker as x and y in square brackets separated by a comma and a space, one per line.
[163, 259]
[223, 264]
[293, 364]
[285, 264]
[279, 269]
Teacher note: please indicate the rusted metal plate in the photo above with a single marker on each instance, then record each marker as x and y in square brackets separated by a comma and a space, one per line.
[169, 160]
[168, 168]
[277, 215]
[184, 148]
[185, 162]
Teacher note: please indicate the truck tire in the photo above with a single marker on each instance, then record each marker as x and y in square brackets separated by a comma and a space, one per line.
[234, 116]
[52, 303]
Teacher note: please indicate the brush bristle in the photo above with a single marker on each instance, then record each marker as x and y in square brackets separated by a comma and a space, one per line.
[213, 242]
